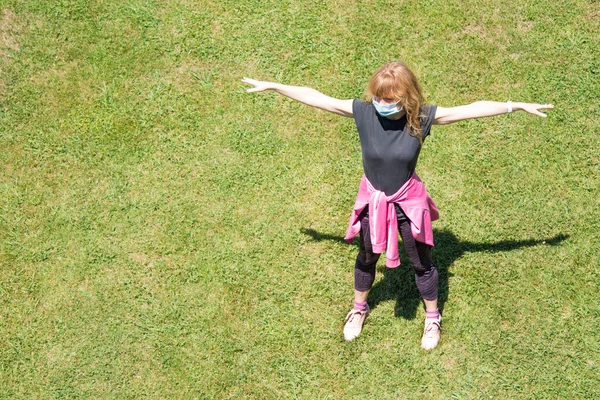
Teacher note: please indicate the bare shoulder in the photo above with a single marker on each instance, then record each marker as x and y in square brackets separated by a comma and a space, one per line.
[441, 115]
[341, 107]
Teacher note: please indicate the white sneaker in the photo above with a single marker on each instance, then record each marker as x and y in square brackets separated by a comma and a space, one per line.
[431, 333]
[354, 323]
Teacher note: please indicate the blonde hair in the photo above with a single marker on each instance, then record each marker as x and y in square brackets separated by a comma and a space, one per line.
[394, 80]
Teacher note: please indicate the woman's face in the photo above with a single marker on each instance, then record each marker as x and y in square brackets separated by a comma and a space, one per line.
[385, 100]
[388, 101]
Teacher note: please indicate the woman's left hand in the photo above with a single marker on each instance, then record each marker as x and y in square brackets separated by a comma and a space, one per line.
[534, 108]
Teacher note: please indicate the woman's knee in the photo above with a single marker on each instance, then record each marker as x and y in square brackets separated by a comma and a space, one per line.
[367, 259]
[423, 269]
[427, 283]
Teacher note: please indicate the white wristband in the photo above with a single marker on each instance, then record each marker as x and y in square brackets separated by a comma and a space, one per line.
[509, 105]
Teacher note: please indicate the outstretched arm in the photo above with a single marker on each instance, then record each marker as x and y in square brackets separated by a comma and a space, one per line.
[304, 95]
[482, 109]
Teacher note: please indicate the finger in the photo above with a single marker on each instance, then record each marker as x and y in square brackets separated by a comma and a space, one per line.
[535, 110]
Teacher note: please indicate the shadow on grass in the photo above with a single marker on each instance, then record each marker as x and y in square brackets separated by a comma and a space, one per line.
[399, 283]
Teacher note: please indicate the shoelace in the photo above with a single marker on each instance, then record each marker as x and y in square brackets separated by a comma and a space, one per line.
[352, 314]
[432, 328]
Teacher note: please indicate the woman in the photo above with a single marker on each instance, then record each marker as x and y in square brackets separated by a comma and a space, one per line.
[392, 125]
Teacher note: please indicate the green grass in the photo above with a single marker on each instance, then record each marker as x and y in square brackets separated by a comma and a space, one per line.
[163, 234]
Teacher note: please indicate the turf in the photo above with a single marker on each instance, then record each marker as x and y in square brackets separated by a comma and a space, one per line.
[164, 234]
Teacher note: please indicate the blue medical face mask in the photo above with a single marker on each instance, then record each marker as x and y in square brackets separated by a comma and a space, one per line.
[386, 110]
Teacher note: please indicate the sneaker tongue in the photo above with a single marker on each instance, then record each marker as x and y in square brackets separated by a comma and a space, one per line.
[432, 326]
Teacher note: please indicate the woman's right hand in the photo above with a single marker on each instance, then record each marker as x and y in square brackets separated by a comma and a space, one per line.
[259, 86]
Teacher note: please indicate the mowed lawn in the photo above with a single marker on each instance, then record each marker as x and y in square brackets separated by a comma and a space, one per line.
[164, 234]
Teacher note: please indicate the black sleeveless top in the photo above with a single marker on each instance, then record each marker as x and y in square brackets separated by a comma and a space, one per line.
[389, 152]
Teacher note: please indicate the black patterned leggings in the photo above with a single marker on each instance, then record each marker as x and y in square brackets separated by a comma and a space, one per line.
[426, 275]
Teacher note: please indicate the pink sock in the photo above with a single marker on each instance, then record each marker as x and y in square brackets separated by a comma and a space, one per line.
[362, 306]
[432, 314]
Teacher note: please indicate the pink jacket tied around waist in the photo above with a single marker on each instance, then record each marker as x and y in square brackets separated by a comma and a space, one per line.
[412, 198]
